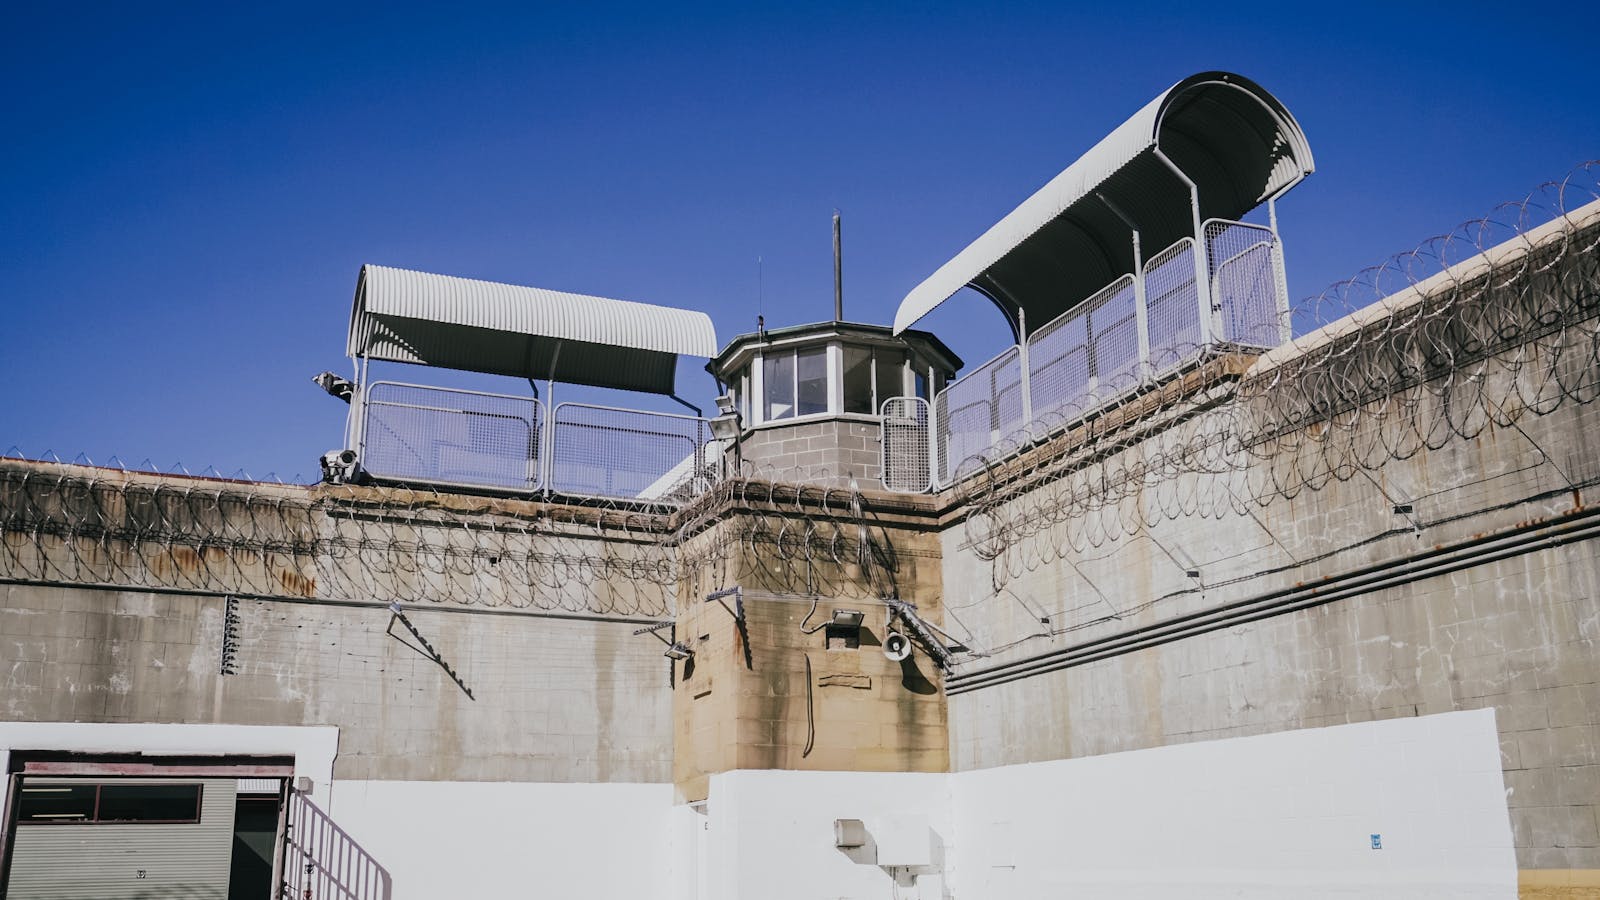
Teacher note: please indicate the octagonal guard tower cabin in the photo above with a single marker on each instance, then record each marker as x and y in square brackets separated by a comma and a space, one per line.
[813, 400]
[400, 432]
[1095, 313]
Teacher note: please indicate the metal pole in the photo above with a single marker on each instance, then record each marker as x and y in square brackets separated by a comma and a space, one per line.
[356, 429]
[838, 272]
[1286, 328]
[933, 431]
[1022, 363]
[547, 465]
[1202, 278]
[1140, 311]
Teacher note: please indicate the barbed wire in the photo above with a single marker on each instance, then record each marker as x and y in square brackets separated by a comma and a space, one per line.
[70, 523]
[1475, 329]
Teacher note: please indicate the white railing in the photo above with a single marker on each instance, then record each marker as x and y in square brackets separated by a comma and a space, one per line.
[604, 451]
[976, 410]
[1247, 284]
[412, 433]
[1137, 329]
[905, 455]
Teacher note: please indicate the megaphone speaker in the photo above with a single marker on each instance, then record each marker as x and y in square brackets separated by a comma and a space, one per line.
[896, 646]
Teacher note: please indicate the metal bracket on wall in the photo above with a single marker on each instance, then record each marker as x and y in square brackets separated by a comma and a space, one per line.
[737, 611]
[426, 649]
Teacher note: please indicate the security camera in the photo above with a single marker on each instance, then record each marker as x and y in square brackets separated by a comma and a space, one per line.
[343, 388]
[339, 466]
[896, 646]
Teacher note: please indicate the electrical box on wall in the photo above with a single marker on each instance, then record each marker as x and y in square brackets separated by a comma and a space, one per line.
[849, 833]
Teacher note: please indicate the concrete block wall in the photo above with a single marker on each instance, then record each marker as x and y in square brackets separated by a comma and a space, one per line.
[840, 449]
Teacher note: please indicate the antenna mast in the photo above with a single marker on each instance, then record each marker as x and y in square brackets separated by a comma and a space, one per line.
[838, 272]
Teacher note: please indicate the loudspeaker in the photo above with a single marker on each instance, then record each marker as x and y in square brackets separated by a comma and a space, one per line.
[896, 646]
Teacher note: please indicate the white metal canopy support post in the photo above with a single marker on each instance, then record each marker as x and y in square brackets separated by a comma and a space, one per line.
[1202, 281]
[1022, 361]
[1280, 270]
[1022, 365]
[1141, 313]
[933, 431]
[547, 472]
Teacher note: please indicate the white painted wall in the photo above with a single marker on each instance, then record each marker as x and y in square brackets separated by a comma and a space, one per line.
[529, 840]
[771, 834]
[1286, 814]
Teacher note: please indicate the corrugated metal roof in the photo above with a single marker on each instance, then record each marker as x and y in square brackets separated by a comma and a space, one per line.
[504, 329]
[1232, 138]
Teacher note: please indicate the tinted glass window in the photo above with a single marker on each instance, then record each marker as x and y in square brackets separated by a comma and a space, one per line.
[858, 380]
[891, 368]
[56, 803]
[811, 368]
[149, 803]
[778, 372]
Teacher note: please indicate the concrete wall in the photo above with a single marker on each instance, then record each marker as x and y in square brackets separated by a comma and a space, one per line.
[552, 699]
[1514, 629]
[770, 692]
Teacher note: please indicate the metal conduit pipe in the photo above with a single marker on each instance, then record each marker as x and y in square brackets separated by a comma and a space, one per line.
[1578, 526]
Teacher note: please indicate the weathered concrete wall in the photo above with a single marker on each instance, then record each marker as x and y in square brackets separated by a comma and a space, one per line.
[230, 602]
[766, 694]
[552, 699]
[1485, 593]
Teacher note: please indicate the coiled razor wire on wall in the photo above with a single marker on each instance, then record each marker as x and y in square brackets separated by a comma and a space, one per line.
[79, 524]
[1478, 328]
[1474, 329]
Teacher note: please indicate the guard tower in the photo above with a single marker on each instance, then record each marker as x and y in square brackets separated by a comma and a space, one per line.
[811, 400]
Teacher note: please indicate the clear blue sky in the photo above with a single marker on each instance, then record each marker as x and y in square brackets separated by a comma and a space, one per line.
[186, 193]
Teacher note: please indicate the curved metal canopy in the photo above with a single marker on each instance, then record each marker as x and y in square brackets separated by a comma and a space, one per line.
[1225, 133]
[504, 329]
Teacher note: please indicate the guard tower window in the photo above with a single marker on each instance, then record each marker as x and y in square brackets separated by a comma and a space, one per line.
[796, 383]
[778, 374]
[871, 376]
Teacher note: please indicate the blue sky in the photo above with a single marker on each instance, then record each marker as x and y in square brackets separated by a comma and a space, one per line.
[187, 192]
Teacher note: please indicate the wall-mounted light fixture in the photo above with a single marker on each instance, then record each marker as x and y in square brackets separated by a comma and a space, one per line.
[846, 618]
